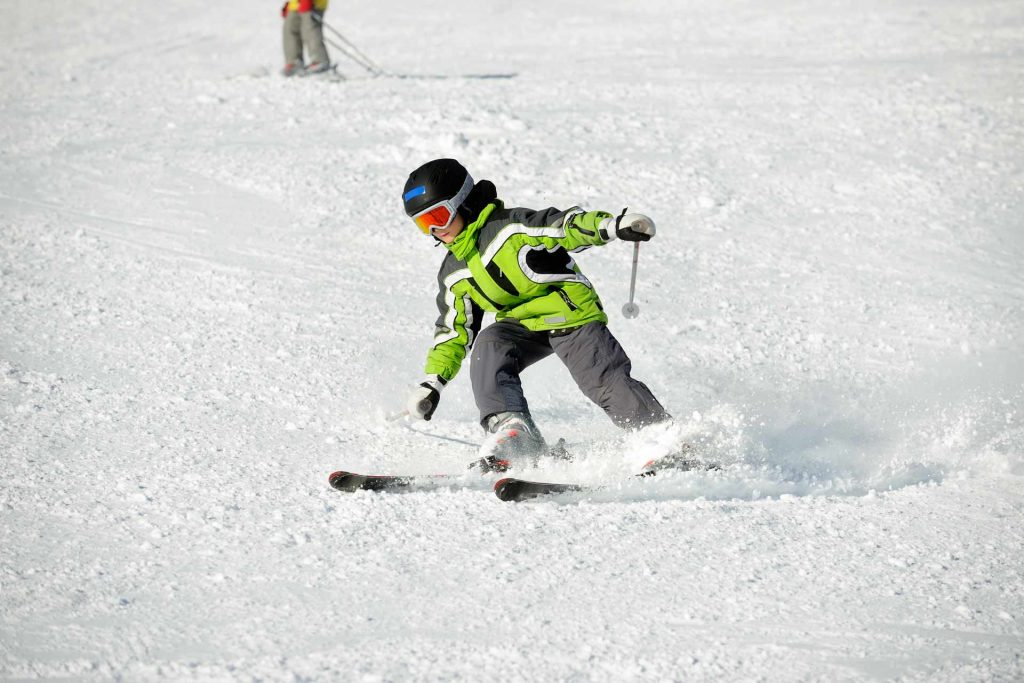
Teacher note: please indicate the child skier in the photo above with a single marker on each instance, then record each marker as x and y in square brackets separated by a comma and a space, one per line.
[303, 27]
[517, 263]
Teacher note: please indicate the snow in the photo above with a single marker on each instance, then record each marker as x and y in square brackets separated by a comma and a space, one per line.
[210, 299]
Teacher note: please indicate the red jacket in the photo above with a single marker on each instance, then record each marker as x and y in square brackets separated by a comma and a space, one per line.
[303, 6]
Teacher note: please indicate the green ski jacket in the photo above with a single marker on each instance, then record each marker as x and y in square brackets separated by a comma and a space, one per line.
[515, 263]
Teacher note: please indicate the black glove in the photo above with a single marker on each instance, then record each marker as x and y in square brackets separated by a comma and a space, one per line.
[424, 397]
[631, 227]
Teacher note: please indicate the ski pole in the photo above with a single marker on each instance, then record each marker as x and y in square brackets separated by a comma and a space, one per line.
[442, 437]
[353, 52]
[630, 309]
[352, 45]
[394, 417]
[351, 56]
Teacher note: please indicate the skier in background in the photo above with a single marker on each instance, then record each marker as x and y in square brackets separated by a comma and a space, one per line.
[517, 263]
[303, 26]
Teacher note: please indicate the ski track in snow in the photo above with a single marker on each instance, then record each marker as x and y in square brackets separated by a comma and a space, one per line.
[211, 299]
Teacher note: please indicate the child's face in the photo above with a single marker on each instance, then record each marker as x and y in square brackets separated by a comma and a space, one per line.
[449, 234]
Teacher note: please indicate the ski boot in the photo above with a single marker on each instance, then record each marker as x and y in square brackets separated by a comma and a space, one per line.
[492, 463]
[293, 69]
[513, 441]
[317, 68]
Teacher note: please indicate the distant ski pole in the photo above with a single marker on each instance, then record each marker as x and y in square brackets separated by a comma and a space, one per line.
[351, 51]
[630, 309]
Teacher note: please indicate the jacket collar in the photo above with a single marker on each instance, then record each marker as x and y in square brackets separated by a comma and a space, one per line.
[465, 243]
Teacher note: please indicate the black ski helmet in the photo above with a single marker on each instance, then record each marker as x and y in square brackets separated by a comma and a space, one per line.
[433, 182]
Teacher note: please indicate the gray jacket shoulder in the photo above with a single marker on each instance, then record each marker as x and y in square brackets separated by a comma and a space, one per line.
[449, 265]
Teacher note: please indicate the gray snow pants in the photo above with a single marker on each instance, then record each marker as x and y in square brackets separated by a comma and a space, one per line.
[593, 356]
[303, 28]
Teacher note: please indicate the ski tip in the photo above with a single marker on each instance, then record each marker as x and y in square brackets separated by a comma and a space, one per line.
[336, 478]
[503, 488]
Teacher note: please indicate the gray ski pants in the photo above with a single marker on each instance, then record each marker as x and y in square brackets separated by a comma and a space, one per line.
[304, 28]
[593, 356]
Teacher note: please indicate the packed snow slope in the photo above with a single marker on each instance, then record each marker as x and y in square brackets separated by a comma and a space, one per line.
[210, 299]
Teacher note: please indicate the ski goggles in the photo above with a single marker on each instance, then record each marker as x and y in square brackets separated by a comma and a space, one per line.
[439, 216]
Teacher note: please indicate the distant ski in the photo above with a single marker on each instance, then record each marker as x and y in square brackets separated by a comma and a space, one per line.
[513, 490]
[351, 481]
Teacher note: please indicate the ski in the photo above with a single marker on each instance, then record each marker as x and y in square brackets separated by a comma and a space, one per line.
[514, 490]
[350, 482]
[677, 464]
[686, 459]
[510, 489]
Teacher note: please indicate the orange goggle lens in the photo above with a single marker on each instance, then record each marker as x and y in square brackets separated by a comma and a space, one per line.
[437, 217]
